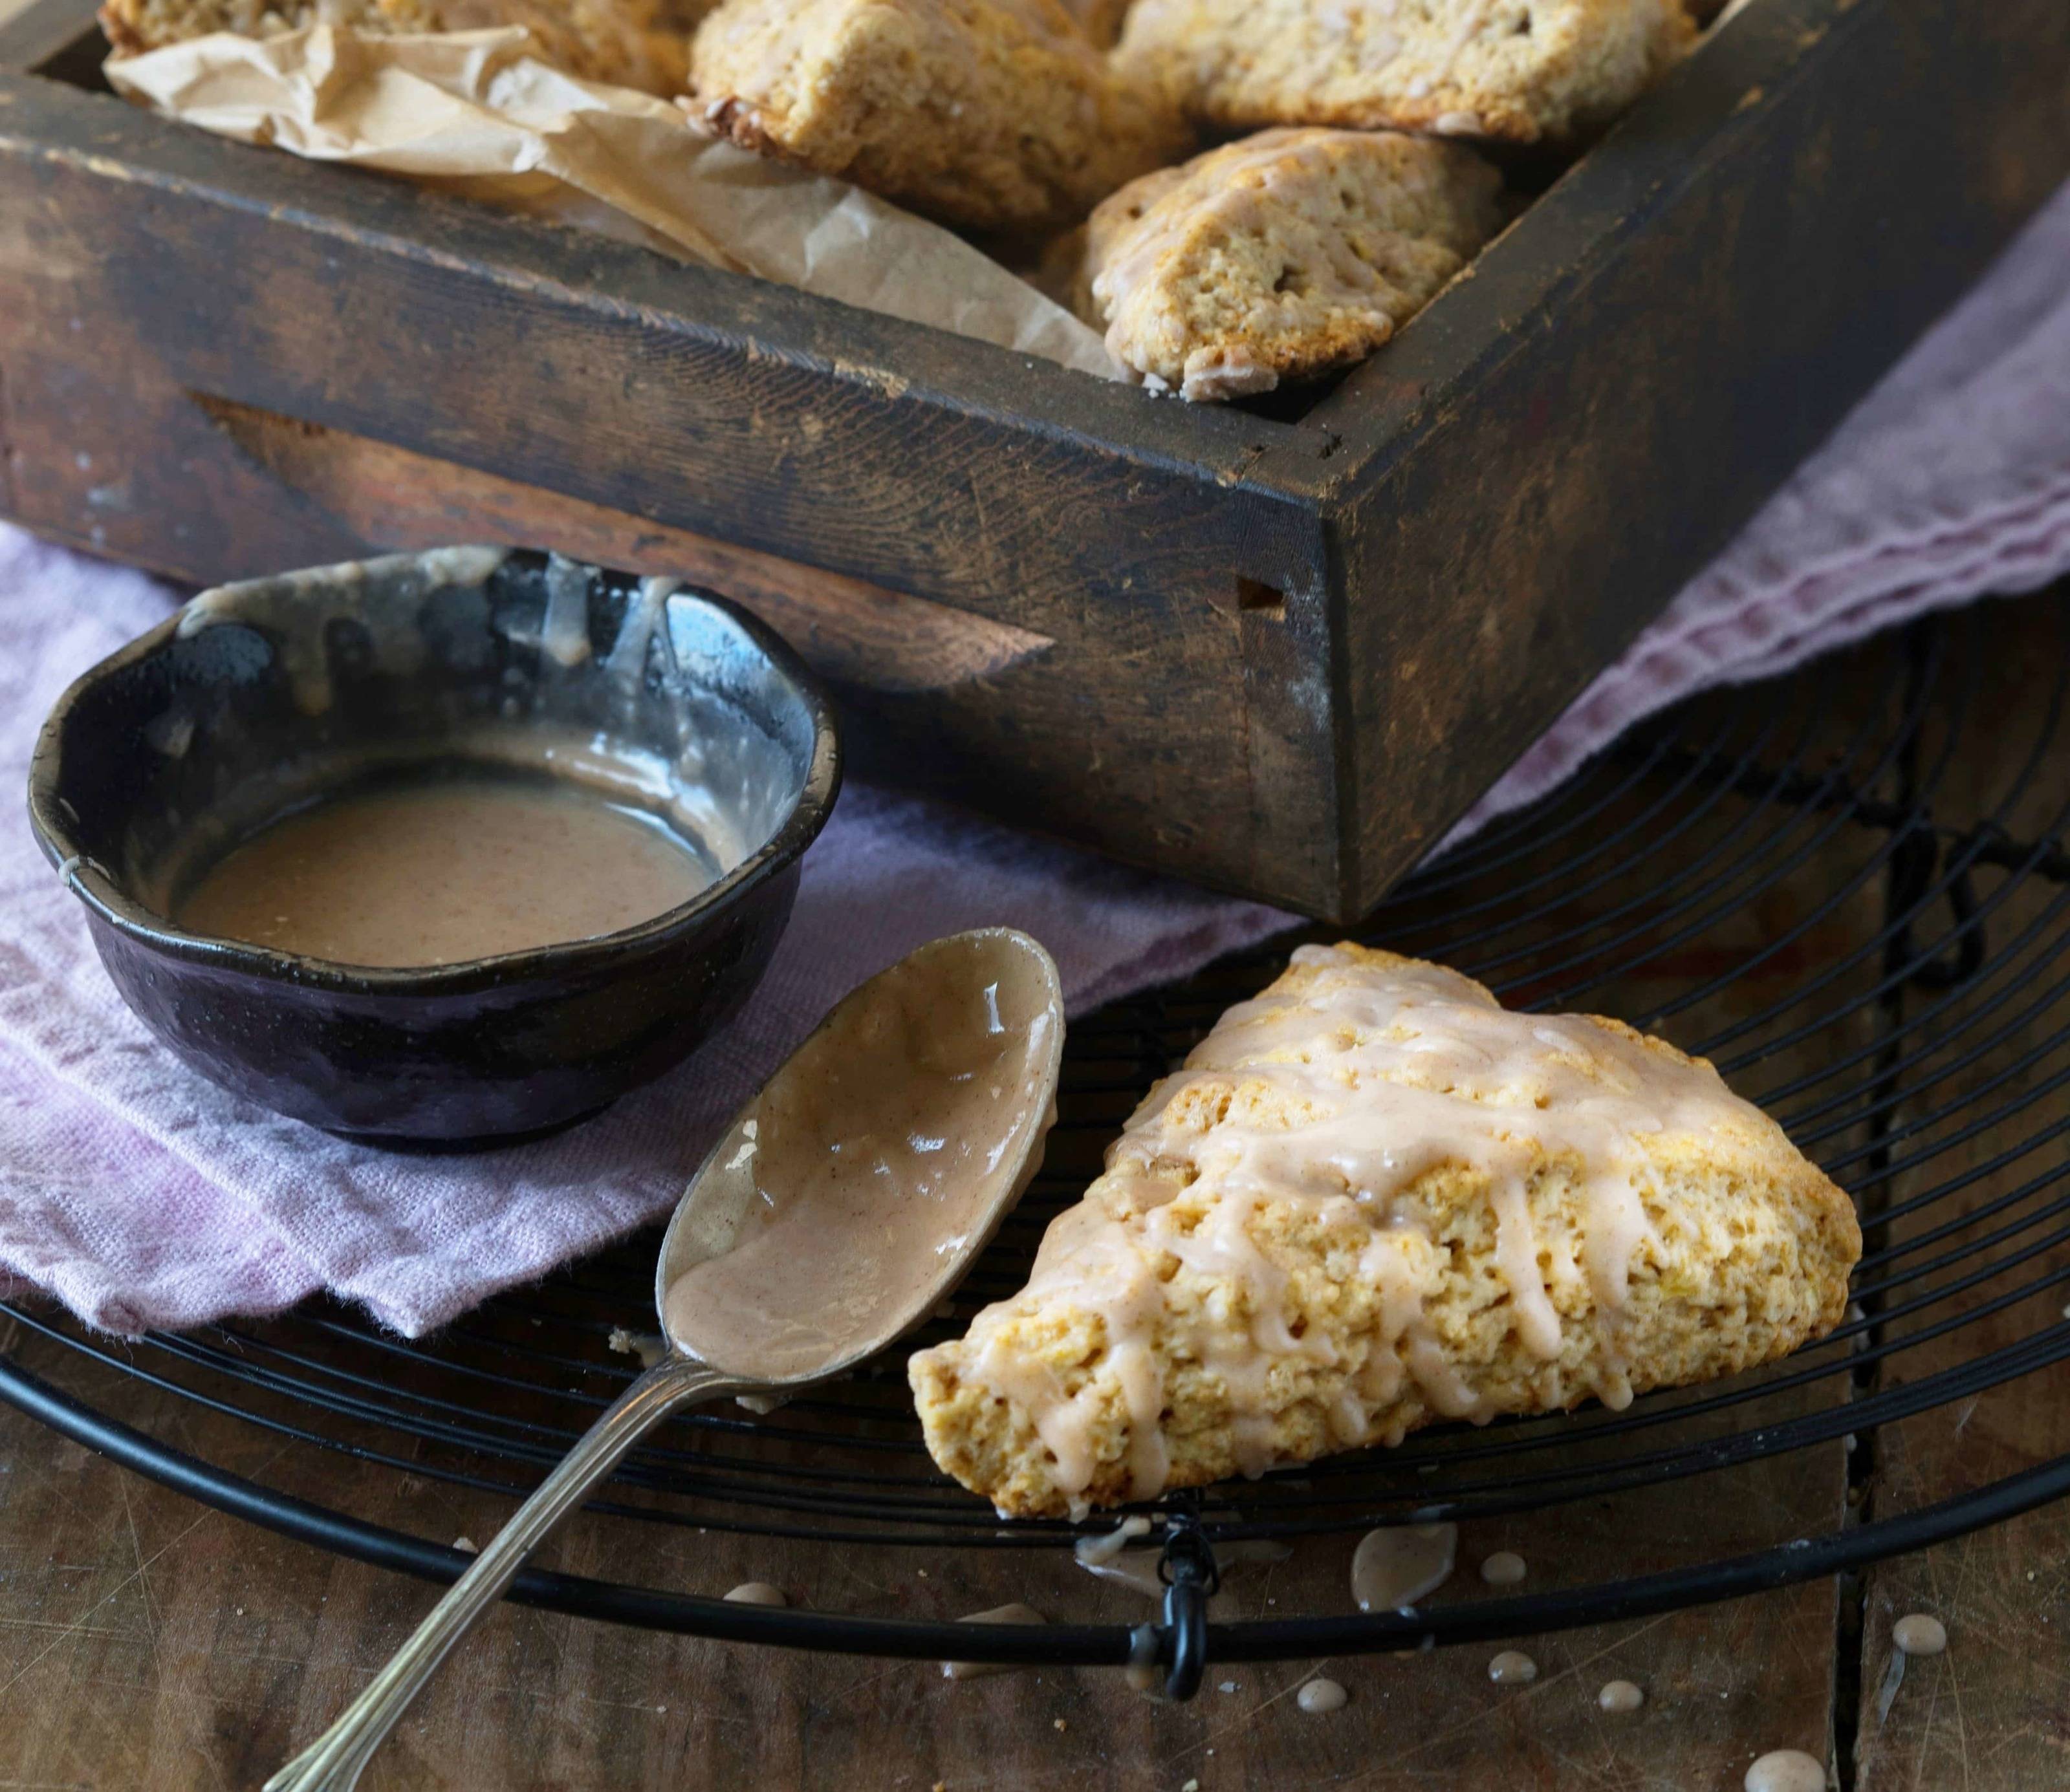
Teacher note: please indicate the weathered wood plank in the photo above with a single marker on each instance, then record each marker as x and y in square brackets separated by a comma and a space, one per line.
[1448, 548]
[129, 406]
[850, 630]
[33, 31]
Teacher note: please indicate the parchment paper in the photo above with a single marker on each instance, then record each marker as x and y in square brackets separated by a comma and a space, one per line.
[477, 112]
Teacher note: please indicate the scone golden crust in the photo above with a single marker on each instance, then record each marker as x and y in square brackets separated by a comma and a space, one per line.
[637, 44]
[1519, 71]
[1100, 20]
[1280, 256]
[993, 114]
[1373, 1199]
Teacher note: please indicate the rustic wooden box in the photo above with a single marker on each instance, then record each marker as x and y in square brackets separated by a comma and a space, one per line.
[1278, 655]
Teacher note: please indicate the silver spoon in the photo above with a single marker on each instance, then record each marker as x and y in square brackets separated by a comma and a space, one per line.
[845, 1201]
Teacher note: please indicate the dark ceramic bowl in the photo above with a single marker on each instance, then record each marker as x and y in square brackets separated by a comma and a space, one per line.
[259, 698]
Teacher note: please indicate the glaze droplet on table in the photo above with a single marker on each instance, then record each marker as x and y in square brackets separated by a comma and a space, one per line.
[1322, 1695]
[1620, 1696]
[1786, 1770]
[1504, 1568]
[1394, 1567]
[1512, 1668]
[757, 1593]
[1919, 1634]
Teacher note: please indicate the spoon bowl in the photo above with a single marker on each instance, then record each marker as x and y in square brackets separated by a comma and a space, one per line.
[852, 1194]
[832, 1217]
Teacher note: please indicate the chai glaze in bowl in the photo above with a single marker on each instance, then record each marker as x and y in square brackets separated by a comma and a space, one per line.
[559, 809]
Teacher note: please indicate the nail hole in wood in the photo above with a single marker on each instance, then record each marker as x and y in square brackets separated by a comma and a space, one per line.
[1255, 597]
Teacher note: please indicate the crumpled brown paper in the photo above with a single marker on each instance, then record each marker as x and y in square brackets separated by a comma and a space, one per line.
[476, 112]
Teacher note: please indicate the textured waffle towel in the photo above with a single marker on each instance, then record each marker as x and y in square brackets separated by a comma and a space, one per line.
[141, 1196]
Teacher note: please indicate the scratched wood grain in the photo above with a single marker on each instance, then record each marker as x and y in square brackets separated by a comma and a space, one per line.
[1993, 1714]
[145, 1642]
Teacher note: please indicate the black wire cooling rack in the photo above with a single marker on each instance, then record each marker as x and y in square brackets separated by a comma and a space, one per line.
[1848, 887]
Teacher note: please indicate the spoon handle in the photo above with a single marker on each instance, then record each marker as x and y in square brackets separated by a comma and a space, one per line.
[333, 1762]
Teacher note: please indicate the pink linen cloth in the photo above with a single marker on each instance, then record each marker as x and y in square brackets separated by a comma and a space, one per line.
[140, 1195]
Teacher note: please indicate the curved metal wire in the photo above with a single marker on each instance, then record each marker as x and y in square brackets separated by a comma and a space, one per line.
[1903, 992]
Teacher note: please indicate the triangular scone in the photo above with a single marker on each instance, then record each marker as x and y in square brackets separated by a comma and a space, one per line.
[1373, 1199]
[998, 115]
[1516, 71]
[1281, 256]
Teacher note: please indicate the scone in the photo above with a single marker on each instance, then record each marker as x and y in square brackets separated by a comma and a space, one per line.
[1280, 256]
[1519, 71]
[1371, 1198]
[637, 44]
[992, 114]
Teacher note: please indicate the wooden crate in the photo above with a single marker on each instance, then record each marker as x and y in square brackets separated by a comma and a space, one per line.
[1276, 656]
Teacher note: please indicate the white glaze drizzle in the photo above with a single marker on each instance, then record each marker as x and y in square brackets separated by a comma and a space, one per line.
[645, 617]
[294, 610]
[564, 626]
[1130, 1568]
[1140, 1568]
[1096, 1552]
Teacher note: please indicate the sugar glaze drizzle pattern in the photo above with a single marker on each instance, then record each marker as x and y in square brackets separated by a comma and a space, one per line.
[1399, 1069]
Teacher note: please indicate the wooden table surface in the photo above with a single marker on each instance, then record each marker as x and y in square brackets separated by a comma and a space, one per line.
[147, 1642]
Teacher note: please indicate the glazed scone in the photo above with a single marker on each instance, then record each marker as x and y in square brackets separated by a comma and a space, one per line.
[1279, 256]
[993, 114]
[637, 44]
[1519, 71]
[1374, 1197]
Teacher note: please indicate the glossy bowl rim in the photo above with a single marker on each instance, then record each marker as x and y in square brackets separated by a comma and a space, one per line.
[103, 897]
